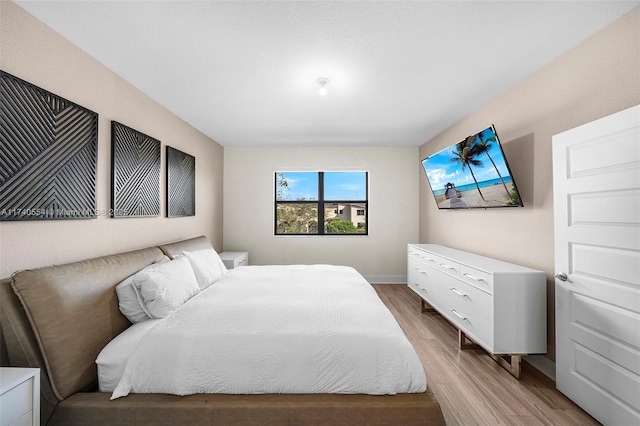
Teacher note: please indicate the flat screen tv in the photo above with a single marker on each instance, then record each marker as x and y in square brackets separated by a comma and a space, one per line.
[472, 173]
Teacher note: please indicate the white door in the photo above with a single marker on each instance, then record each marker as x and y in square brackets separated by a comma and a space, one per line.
[596, 184]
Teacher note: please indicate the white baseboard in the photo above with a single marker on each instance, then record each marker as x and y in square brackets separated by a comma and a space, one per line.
[544, 364]
[386, 280]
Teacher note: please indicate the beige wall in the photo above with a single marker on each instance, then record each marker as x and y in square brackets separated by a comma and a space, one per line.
[393, 208]
[35, 53]
[597, 78]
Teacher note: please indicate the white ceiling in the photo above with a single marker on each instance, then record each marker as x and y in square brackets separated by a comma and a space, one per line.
[245, 73]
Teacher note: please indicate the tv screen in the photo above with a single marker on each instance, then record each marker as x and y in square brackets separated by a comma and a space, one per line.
[472, 173]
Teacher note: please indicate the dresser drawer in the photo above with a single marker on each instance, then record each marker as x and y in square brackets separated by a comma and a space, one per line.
[477, 278]
[421, 292]
[421, 280]
[16, 403]
[447, 266]
[470, 308]
[423, 256]
[413, 253]
[26, 420]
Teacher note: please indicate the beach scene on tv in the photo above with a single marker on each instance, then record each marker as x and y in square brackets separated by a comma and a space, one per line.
[472, 174]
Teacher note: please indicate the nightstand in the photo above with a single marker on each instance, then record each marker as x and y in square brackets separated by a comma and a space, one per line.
[19, 396]
[235, 259]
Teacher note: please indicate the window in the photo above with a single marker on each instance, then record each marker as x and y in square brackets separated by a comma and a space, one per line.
[336, 200]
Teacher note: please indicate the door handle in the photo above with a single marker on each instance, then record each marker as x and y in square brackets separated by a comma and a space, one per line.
[563, 277]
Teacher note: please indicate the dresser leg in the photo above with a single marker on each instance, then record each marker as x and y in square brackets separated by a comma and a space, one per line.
[512, 366]
[426, 308]
[465, 343]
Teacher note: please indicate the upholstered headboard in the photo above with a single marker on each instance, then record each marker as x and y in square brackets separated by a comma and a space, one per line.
[21, 345]
[174, 250]
[73, 312]
[59, 318]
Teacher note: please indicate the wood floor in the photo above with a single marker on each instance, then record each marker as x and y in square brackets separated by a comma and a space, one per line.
[471, 387]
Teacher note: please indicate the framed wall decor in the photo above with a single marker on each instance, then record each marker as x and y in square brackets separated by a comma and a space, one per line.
[135, 177]
[48, 155]
[181, 183]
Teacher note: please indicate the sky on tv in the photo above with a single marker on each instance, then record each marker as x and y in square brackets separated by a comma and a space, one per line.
[441, 169]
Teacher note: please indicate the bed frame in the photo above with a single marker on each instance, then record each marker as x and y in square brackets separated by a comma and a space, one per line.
[59, 318]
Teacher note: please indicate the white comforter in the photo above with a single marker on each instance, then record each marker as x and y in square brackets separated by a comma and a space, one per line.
[277, 329]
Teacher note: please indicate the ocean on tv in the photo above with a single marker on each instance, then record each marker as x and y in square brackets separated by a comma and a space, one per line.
[483, 184]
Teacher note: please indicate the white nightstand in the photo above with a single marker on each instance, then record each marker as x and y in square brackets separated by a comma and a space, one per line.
[19, 396]
[235, 259]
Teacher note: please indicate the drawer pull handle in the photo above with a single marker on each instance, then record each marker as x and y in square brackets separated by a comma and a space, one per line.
[447, 266]
[473, 278]
[420, 270]
[462, 317]
[458, 292]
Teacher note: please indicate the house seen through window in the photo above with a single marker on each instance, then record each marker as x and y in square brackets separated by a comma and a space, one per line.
[338, 201]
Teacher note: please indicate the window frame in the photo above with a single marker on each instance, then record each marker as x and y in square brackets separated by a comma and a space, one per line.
[321, 203]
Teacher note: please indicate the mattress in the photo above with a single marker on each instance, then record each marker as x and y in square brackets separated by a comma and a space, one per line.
[277, 329]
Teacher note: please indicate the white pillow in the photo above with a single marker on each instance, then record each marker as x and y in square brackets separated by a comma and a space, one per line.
[112, 359]
[207, 266]
[165, 287]
[128, 299]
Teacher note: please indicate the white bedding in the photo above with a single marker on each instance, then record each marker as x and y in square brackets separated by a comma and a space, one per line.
[277, 329]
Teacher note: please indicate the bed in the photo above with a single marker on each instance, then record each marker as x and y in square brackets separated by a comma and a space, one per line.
[60, 318]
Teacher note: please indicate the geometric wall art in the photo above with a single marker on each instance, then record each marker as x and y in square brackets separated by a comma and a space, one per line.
[135, 178]
[48, 154]
[181, 183]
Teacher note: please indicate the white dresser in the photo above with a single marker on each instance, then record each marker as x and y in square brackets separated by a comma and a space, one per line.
[19, 396]
[497, 305]
[235, 259]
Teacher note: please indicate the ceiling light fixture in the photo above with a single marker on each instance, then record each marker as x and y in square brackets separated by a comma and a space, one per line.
[323, 81]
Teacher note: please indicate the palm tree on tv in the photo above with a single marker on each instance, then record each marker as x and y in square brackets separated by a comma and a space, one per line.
[465, 155]
[482, 146]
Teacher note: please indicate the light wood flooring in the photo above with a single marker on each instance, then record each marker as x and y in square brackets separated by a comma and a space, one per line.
[471, 387]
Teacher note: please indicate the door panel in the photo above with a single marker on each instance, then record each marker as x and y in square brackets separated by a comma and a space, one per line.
[608, 323]
[606, 376]
[606, 263]
[585, 208]
[596, 170]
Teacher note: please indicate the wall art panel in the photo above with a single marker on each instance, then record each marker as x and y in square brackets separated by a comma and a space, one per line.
[135, 178]
[181, 183]
[48, 155]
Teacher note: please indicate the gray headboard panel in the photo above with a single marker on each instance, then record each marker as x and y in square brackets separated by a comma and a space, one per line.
[73, 312]
[174, 250]
[21, 345]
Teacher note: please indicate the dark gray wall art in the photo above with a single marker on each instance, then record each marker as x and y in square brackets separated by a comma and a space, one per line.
[48, 155]
[181, 183]
[135, 179]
